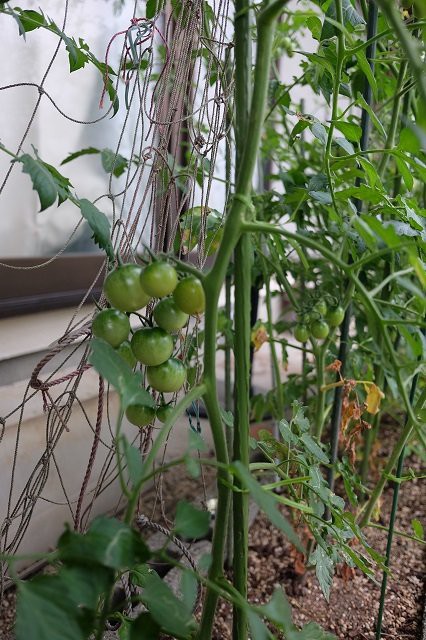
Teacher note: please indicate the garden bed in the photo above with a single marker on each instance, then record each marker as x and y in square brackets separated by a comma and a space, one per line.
[354, 599]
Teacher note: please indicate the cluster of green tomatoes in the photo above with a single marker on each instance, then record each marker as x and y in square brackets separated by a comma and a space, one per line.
[129, 288]
[318, 321]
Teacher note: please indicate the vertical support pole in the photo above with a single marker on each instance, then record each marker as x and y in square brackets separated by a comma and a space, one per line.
[336, 413]
[392, 519]
[242, 281]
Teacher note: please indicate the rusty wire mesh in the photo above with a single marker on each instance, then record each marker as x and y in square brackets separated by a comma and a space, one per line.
[175, 69]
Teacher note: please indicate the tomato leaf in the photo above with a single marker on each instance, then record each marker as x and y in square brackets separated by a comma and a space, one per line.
[144, 628]
[166, 609]
[133, 458]
[78, 154]
[314, 448]
[108, 542]
[111, 366]
[114, 162]
[99, 224]
[191, 522]
[324, 569]
[45, 182]
[45, 609]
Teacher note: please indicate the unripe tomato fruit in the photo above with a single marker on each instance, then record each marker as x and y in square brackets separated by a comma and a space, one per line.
[164, 411]
[159, 279]
[189, 295]
[335, 316]
[140, 415]
[168, 316]
[125, 351]
[123, 288]
[301, 333]
[321, 307]
[112, 326]
[320, 329]
[167, 377]
[152, 346]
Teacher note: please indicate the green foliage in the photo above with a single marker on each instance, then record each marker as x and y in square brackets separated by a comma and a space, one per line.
[79, 53]
[47, 181]
[191, 522]
[117, 372]
[99, 224]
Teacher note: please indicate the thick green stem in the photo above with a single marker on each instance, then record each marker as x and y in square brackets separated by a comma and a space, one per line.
[320, 404]
[214, 281]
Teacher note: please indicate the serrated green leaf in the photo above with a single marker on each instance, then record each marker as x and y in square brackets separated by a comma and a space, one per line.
[350, 130]
[408, 141]
[111, 366]
[113, 162]
[324, 569]
[406, 174]
[259, 630]
[99, 224]
[46, 610]
[319, 131]
[191, 522]
[278, 610]
[227, 417]
[30, 20]
[314, 448]
[166, 609]
[189, 589]
[78, 154]
[108, 542]
[144, 628]
[324, 197]
[133, 459]
[367, 71]
[374, 119]
[86, 585]
[345, 144]
[42, 179]
[300, 126]
[267, 503]
[350, 18]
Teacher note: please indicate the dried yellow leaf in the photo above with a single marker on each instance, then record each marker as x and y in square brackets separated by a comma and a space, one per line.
[374, 398]
[259, 336]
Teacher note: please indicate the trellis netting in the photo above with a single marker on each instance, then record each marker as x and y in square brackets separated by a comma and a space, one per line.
[160, 87]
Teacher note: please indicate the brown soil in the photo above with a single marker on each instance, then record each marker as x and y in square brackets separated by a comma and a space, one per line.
[352, 610]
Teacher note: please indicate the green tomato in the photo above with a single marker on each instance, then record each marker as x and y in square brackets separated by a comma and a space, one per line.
[112, 326]
[159, 279]
[164, 412]
[125, 351]
[140, 415]
[321, 307]
[167, 377]
[123, 289]
[168, 316]
[335, 316]
[320, 329]
[189, 295]
[301, 333]
[152, 346]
